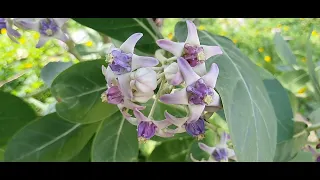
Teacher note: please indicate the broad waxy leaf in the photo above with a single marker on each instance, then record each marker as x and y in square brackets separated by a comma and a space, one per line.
[1, 154]
[85, 154]
[122, 28]
[294, 80]
[78, 91]
[283, 50]
[116, 141]
[303, 157]
[52, 70]
[281, 105]
[14, 114]
[49, 138]
[248, 110]
[175, 150]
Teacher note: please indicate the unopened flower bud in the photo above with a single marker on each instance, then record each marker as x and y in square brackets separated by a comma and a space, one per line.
[144, 80]
[170, 71]
[196, 128]
[142, 97]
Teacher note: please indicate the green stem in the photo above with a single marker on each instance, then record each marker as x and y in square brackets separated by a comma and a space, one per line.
[313, 127]
[156, 99]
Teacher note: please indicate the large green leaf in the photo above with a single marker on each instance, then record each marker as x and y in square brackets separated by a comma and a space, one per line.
[281, 105]
[248, 110]
[283, 50]
[303, 157]
[175, 150]
[294, 80]
[52, 70]
[122, 28]
[14, 114]
[1, 154]
[78, 90]
[311, 68]
[49, 139]
[85, 154]
[116, 141]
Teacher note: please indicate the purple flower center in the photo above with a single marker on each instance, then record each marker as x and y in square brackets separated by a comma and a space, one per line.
[120, 62]
[220, 154]
[193, 54]
[112, 95]
[2, 23]
[196, 128]
[200, 93]
[48, 27]
[146, 130]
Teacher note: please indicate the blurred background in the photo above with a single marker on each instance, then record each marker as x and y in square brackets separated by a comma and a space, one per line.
[21, 64]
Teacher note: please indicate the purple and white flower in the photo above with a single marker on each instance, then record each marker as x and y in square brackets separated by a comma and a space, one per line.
[6, 23]
[198, 94]
[219, 153]
[123, 61]
[47, 27]
[191, 50]
[147, 128]
[143, 80]
[315, 154]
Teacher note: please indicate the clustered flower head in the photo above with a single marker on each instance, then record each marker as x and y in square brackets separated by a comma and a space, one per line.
[132, 80]
[48, 28]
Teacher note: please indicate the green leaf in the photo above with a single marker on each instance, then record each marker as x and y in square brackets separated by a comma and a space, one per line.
[14, 114]
[116, 141]
[172, 151]
[52, 70]
[122, 28]
[248, 109]
[294, 80]
[315, 116]
[311, 68]
[283, 50]
[1, 154]
[303, 157]
[281, 105]
[85, 153]
[49, 139]
[78, 90]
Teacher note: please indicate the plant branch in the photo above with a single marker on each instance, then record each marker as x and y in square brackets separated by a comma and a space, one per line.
[156, 99]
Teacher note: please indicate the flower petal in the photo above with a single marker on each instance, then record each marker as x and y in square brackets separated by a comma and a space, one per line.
[124, 84]
[211, 77]
[142, 97]
[231, 153]
[143, 61]
[200, 69]
[206, 148]
[130, 105]
[193, 37]
[60, 21]
[162, 123]
[187, 72]
[177, 79]
[177, 130]
[26, 23]
[195, 112]
[216, 100]
[210, 51]
[42, 41]
[130, 43]
[178, 97]
[173, 47]
[61, 36]
[162, 133]
[224, 138]
[140, 116]
[176, 121]
[194, 160]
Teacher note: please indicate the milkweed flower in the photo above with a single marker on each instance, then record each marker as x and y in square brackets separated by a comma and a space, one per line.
[147, 128]
[47, 27]
[191, 50]
[219, 153]
[6, 23]
[198, 94]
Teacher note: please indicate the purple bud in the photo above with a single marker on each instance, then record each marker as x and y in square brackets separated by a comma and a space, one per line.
[220, 154]
[48, 27]
[121, 62]
[146, 130]
[200, 93]
[2, 23]
[196, 129]
[193, 54]
[113, 95]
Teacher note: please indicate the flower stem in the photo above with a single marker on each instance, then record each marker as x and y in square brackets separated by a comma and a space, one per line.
[156, 99]
[313, 127]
